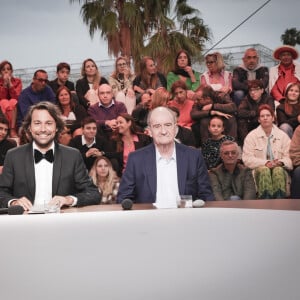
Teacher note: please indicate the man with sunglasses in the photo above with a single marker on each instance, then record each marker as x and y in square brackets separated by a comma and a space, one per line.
[231, 180]
[37, 91]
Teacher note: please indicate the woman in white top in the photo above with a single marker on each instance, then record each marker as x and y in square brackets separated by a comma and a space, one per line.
[216, 76]
[266, 151]
[121, 83]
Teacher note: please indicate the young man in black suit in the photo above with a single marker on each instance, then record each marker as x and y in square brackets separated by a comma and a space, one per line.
[44, 170]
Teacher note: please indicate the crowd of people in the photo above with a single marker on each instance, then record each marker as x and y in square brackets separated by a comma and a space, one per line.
[138, 134]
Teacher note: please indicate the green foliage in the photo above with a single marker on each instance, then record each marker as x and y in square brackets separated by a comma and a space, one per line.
[291, 37]
[135, 28]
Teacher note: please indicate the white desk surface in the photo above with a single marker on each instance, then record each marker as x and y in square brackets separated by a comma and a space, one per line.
[211, 253]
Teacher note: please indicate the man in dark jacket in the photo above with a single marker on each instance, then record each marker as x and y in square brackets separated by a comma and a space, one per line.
[250, 69]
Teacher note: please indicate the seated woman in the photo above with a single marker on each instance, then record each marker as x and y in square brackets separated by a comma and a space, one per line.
[87, 86]
[247, 114]
[149, 79]
[71, 113]
[127, 139]
[211, 147]
[207, 104]
[288, 111]
[295, 157]
[216, 76]
[183, 71]
[121, 81]
[266, 151]
[10, 89]
[105, 179]
[183, 103]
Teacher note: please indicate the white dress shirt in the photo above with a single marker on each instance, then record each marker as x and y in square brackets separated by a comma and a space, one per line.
[167, 182]
[43, 172]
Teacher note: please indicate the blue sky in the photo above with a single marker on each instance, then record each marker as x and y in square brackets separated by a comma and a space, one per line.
[36, 33]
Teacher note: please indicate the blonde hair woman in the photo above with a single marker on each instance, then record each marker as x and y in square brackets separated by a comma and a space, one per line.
[121, 82]
[106, 179]
[216, 76]
[87, 86]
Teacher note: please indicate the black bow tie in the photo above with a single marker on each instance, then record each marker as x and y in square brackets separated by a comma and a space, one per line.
[38, 156]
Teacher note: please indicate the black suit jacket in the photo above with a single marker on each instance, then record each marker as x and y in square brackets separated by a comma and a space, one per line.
[70, 176]
[101, 144]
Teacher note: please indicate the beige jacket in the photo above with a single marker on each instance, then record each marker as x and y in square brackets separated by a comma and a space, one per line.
[295, 147]
[255, 148]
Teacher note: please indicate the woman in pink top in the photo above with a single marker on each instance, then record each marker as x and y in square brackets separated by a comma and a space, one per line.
[10, 89]
[216, 76]
[127, 138]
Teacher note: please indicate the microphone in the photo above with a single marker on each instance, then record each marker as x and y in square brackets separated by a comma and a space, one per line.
[12, 210]
[127, 204]
[198, 203]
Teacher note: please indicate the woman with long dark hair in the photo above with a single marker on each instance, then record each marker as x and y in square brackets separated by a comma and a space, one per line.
[71, 112]
[183, 71]
[127, 139]
[149, 78]
[288, 111]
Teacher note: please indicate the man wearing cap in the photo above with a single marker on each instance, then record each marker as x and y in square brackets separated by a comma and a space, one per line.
[285, 72]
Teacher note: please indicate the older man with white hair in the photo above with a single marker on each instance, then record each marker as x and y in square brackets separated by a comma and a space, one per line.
[162, 171]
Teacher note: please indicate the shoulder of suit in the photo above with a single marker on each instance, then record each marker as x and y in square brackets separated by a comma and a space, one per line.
[19, 150]
[66, 149]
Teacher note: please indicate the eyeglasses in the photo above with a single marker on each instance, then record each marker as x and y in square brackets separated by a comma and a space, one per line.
[41, 79]
[209, 62]
[122, 65]
[229, 152]
[6, 69]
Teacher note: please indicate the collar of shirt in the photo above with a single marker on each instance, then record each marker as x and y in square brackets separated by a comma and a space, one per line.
[84, 142]
[34, 146]
[110, 105]
[159, 157]
[236, 170]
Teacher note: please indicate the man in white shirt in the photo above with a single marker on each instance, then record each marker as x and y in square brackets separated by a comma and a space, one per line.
[165, 169]
[45, 170]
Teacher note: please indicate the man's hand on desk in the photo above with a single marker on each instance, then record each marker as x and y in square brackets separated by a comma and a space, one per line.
[63, 201]
[23, 201]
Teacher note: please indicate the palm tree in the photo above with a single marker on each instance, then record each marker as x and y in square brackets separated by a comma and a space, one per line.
[189, 34]
[291, 37]
[144, 27]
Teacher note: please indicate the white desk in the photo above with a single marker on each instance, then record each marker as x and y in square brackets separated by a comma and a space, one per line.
[211, 253]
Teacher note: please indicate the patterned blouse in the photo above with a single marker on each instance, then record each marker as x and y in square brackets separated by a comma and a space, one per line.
[211, 151]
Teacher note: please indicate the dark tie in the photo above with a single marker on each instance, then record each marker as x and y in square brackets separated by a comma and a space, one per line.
[38, 156]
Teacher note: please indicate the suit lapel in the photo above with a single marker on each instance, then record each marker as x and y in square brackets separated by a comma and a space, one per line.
[151, 169]
[57, 165]
[181, 168]
[29, 171]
